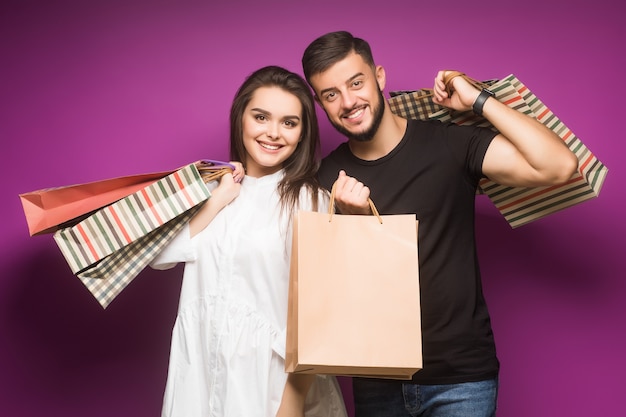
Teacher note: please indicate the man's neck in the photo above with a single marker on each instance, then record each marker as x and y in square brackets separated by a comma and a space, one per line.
[388, 136]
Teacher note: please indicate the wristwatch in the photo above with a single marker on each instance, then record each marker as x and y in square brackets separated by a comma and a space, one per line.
[477, 107]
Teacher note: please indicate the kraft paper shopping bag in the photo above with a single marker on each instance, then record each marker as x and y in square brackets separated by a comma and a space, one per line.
[354, 299]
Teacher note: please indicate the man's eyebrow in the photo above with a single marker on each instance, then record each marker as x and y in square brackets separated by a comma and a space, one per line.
[326, 90]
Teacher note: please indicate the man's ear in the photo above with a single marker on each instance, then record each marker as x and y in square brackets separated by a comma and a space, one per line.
[381, 77]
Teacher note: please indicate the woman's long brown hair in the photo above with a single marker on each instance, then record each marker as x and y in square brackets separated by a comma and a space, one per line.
[301, 167]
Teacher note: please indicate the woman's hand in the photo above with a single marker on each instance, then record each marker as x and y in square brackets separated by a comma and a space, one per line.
[226, 191]
[239, 172]
[294, 395]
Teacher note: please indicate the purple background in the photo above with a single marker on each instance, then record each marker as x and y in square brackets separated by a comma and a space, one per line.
[103, 88]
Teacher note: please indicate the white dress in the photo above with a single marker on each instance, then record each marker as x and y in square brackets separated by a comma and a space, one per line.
[228, 342]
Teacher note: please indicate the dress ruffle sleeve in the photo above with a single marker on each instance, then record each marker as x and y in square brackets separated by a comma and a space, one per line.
[180, 249]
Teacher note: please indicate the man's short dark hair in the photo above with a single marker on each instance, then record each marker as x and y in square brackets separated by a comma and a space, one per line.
[331, 48]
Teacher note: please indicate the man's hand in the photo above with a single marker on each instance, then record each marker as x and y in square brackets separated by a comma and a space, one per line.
[463, 94]
[351, 195]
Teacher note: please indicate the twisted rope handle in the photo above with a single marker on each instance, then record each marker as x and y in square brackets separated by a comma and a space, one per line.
[213, 170]
[447, 80]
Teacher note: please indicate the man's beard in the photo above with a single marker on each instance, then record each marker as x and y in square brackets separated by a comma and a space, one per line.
[368, 134]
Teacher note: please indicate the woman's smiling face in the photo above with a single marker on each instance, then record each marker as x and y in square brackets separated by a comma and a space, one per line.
[272, 127]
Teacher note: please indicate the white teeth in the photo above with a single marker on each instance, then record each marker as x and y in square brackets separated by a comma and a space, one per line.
[270, 147]
[355, 114]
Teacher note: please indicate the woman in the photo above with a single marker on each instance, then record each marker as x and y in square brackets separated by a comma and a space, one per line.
[227, 354]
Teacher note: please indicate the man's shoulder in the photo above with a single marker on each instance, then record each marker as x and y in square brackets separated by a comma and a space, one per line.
[421, 125]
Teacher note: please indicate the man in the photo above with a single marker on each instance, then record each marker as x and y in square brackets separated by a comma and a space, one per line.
[430, 169]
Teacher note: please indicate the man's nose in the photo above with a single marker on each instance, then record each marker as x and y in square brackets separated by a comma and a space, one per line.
[348, 100]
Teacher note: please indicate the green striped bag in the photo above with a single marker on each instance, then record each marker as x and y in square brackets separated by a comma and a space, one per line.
[519, 205]
[107, 278]
[127, 220]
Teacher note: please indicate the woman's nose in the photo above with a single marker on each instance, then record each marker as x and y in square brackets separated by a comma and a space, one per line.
[272, 131]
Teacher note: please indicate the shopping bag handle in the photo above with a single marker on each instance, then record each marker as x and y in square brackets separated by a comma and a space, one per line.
[451, 74]
[331, 207]
[211, 170]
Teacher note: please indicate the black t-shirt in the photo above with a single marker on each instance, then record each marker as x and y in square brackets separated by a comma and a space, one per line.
[434, 172]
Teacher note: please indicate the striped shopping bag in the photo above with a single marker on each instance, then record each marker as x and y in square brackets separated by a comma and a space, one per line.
[113, 227]
[108, 277]
[520, 205]
[50, 209]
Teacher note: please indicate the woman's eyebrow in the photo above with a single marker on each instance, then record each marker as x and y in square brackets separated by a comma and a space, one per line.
[259, 110]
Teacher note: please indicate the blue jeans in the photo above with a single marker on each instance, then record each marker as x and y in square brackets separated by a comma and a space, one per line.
[376, 398]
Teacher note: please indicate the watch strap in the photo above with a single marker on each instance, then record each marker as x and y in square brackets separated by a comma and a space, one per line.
[479, 103]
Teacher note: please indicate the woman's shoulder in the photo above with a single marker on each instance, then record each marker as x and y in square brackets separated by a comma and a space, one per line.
[308, 196]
